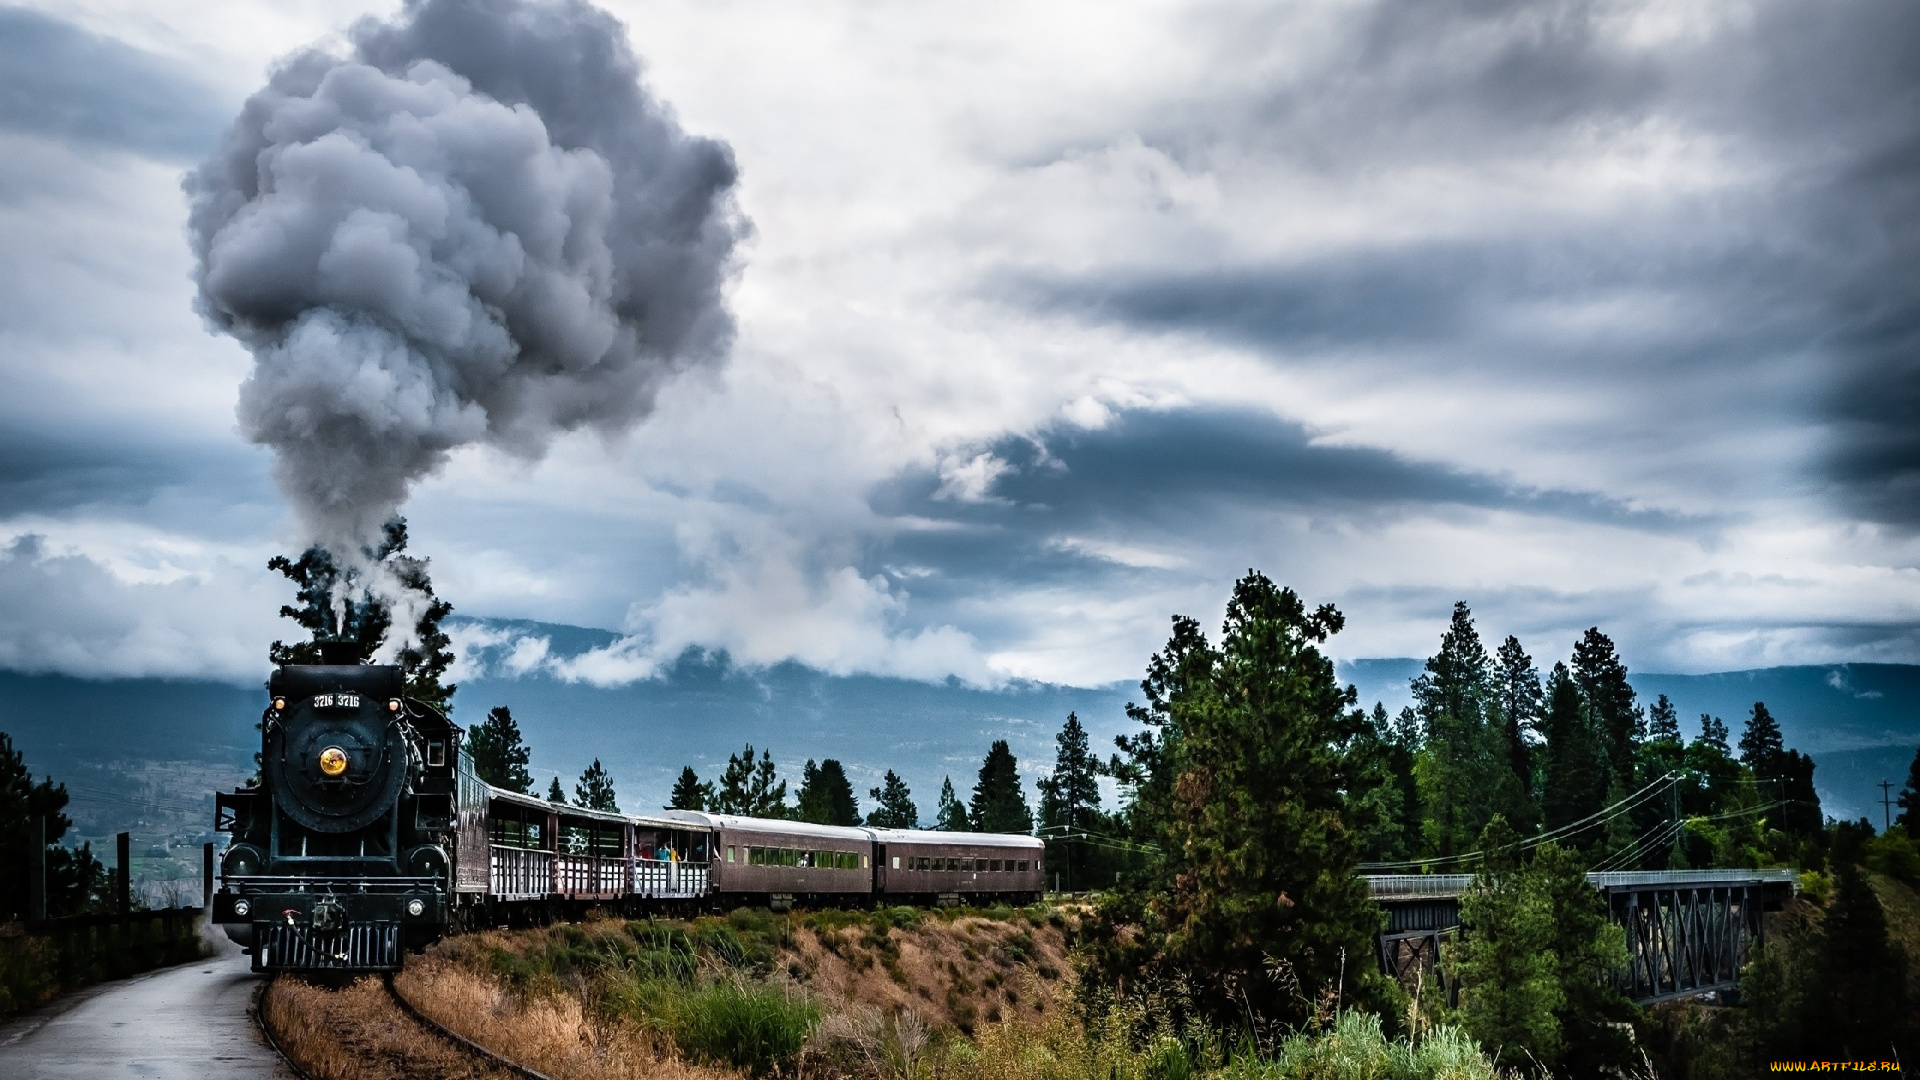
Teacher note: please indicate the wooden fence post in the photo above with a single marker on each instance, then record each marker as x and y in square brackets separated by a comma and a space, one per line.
[123, 873]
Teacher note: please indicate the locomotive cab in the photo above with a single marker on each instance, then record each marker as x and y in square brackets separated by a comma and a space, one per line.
[339, 857]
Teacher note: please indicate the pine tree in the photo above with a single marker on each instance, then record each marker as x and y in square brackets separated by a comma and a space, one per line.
[826, 796]
[998, 805]
[1663, 723]
[1587, 949]
[893, 804]
[1761, 744]
[499, 755]
[951, 816]
[1383, 809]
[1510, 996]
[1517, 706]
[1865, 973]
[1460, 770]
[1243, 783]
[1617, 720]
[751, 788]
[1070, 802]
[1910, 800]
[555, 794]
[342, 603]
[595, 790]
[1573, 784]
[1713, 732]
[690, 792]
[76, 881]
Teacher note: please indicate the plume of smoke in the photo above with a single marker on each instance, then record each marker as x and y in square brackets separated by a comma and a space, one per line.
[477, 227]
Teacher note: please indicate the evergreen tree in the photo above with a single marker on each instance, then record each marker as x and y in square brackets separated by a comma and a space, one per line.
[1663, 753]
[1909, 818]
[1459, 772]
[345, 603]
[1586, 949]
[1573, 785]
[1510, 996]
[1617, 720]
[1070, 802]
[826, 796]
[998, 805]
[595, 790]
[690, 792]
[1663, 723]
[555, 794]
[1761, 744]
[499, 755]
[1865, 973]
[1713, 732]
[951, 815]
[1243, 784]
[1383, 809]
[1518, 704]
[76, 881]
[751, 788]
[893, 804]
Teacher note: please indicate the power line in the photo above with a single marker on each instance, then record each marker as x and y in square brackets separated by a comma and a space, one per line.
[1598, 817]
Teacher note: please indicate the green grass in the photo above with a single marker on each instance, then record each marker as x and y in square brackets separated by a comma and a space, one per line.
[756, 1027]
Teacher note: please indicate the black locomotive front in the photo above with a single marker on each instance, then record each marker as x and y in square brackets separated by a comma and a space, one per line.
[339, 857]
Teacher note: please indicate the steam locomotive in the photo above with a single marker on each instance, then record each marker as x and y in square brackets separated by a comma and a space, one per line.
[370, 835]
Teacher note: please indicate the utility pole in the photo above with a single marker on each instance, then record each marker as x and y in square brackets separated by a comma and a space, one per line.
[1886, 804]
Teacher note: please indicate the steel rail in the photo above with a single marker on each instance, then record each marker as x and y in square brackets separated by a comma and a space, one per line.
[259, 1010]
[457, 1039]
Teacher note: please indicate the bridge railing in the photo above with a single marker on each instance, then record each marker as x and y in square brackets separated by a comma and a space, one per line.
[1420, 886]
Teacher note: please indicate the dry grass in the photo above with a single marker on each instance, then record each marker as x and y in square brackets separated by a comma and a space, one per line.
[552, 1033]
[358, 1033]
[959, 974]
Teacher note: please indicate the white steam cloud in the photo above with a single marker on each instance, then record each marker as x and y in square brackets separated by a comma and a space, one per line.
[476, 228]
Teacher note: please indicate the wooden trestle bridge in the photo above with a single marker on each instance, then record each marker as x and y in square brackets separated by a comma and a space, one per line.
[1688, 931]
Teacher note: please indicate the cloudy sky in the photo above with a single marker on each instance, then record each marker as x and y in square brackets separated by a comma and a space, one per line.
[1050, 320]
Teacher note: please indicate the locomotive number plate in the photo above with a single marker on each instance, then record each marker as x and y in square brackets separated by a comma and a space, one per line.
[336, 701]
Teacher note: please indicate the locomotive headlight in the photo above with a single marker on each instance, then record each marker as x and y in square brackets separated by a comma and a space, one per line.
[242, 908]
[279, 704]
[416, 908]
[333, 761]
[393, 704]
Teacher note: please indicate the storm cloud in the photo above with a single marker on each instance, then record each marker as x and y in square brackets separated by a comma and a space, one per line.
[477, 228]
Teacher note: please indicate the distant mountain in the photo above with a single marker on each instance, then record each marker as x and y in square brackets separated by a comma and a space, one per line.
[1861, 722]
[148, 751]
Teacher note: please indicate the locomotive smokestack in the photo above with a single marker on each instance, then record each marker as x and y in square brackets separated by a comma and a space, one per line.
[475, 228]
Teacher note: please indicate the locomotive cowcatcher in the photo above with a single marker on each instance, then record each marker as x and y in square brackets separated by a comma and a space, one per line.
[339, 858]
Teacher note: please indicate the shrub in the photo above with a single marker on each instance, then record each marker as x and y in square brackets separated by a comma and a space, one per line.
[751, 1026]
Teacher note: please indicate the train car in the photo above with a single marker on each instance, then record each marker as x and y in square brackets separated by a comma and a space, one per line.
[370, 835]
[929, 867]
[339, 859]
[781, 863]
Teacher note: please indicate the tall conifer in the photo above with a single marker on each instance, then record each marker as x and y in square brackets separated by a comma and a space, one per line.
[500, 755]
[826, 795]
[690, 792]
[1573, 784]
[893, 805]
[998, 805]
[1460, 768]
[951, 814]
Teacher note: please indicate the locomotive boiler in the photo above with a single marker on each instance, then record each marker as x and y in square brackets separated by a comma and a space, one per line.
[339, 859]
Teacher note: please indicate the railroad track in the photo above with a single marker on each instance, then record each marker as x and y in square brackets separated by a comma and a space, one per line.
[466, 1044]
[488, 1059]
